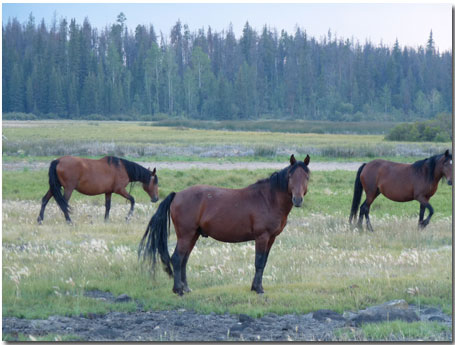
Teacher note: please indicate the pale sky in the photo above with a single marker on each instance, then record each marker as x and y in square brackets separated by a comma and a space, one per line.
[409, 23]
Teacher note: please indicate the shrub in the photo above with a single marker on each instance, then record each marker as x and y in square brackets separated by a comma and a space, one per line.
[19, 116]
[438, 129]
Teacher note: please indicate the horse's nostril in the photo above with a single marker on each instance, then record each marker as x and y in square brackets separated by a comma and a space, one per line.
[297, 201]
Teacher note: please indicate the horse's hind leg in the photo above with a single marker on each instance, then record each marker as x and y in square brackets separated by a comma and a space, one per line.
[67, 196]
[179, 259]
[365, 210]
[44, 202]
[361, 214]
[108, 206]
[184, 262]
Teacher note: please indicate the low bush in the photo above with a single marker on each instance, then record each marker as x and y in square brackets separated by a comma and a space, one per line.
[19, 116]
[438, 129]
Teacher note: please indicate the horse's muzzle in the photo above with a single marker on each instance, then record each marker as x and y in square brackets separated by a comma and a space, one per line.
[297, 201]
[155, 199]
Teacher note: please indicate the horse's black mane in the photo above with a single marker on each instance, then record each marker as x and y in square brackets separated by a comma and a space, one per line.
[430, 163]
[135, 171]
[279, 179]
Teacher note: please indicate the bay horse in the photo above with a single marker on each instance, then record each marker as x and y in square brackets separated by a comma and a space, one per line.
[92, 177]
[400, 182]
[258, 212]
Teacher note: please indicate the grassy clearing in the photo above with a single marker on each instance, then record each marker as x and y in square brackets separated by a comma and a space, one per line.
[317, 262]
[335, 187]
[28, 140]
[330, 192]
[314, 264]
[396, 331]
[290, 126]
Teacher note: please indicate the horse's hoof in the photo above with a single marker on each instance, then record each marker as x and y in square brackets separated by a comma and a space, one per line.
[40, 221]
[178, 291]
[187, 289]
[259, 290]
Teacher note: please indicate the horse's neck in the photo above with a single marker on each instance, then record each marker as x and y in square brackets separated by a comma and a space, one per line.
[437, 173]
[283, 200]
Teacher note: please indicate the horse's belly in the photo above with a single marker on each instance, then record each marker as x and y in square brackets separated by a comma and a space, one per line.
[91, 189]
[399, 197]
[230, 238]
[228, 234]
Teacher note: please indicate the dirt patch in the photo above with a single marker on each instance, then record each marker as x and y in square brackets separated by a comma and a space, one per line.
[185, 325]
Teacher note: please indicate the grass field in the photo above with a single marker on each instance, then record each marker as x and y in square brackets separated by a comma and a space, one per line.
[329, 192]
[318, 262]
[33, 140]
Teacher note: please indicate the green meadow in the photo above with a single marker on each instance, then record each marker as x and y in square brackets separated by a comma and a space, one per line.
[45, 140]
[318, 262]
[313, 264]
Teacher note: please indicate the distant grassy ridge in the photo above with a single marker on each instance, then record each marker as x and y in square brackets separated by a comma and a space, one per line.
[24, 139]
[286, 126]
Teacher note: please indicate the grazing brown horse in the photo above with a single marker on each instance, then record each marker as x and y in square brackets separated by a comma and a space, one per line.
[258, 212]
[400, 182]
[92, 177]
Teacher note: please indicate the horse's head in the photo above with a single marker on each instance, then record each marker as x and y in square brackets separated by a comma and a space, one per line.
[447, 167]
[299, 175]
[152, 187]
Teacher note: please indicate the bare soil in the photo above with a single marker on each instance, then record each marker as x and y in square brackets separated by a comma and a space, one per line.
[186, 325]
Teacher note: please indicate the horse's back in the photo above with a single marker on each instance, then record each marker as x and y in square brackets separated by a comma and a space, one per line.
[394, 180]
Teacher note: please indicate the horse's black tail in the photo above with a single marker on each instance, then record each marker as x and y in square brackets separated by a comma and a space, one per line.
[155, 237]
[358, 189]
[56, 188]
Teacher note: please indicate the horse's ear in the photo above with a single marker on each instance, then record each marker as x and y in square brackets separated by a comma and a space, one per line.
[154, 171]
[307, 160]
[446, 153]
[293, 160]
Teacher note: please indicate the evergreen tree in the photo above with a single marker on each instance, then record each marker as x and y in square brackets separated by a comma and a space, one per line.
[73, 70]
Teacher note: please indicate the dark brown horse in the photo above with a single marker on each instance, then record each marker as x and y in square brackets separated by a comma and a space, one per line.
[400, 182]
[258, 212]
[92, 177]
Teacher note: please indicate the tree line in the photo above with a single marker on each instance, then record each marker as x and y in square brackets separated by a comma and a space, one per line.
[71, 70]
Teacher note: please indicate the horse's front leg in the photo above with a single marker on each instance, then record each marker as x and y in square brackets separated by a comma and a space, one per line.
[263, 245]
[128, 196]
[108, 206]
[424, 223]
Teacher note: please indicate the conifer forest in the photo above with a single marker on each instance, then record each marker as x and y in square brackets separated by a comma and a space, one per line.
[72, 70]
